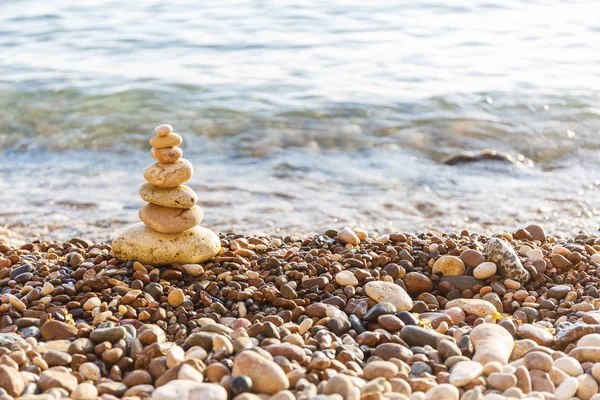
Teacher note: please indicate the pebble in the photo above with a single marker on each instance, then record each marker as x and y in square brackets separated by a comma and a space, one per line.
[501, 381]
[193, 269]
[171, 139]
[181, 196]
[181, 389]
[139, 242]
[538, 360]
[111, 335]
[346, 278]
[537, 232]
[443, 392]
[378, 310]
[175, 356]
[380, 369]
[479, 308]
[267, 377]
[57, 330]
[170, 220]
[169, 175]
[90, 371]
[567, 389]
[176, 297]
[11, 381]
[348, 236]
[504, 256]
[55, 379]
[591, 340]
[539, 335]
[465, 372]
[491, 342]
[587, 387]
[84, 391]
[390, 293]
[166, 155]
[449, 266]
[472, 258]
[485, 270]
[163, 130]
[569, 365]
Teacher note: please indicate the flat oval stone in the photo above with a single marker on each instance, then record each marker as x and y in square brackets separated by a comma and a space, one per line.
[138, 242]
[170, 220]
[267, 377]
[485, 270]
[538, 334]
[417, 336]
[390, 293]
[465, 372]
[169, 175]
[164, 129]
[472, 258]
[167, 155]
[346, 278]
[477, 307]
[178, 197]
[171, 139]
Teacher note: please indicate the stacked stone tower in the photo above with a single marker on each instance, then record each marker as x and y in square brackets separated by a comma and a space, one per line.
[169, 231]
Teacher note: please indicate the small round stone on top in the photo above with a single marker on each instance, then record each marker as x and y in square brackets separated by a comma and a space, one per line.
[163, 130]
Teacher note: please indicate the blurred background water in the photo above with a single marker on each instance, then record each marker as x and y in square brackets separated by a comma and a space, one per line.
[302, 115]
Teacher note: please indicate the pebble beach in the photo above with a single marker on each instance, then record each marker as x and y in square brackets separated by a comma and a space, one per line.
[339, 315]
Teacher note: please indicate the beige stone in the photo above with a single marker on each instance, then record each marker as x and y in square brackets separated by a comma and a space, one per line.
[167, 155]
[138, 242]
[169, 175]
[267, 377]
[492, 343]
[449, 266]
[163, 130]
[390, 293]
[171, 139]
[465, 372]
[485, 270]
[348, 236]
[178, 197]
[170, 220]
[477, 307]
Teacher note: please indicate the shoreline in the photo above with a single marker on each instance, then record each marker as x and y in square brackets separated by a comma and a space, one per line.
[402, 316]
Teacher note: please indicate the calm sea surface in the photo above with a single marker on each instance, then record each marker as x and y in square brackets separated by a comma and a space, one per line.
[302, 115]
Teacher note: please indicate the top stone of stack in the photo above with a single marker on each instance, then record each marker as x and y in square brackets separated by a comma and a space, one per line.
[171, 170]
[170, 231]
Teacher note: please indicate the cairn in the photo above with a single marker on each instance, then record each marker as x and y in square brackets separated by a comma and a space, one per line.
[170, 231]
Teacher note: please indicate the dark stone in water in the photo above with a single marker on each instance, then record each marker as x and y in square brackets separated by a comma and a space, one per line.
[483, 155]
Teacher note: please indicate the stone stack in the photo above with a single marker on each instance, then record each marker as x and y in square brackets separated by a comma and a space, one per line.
[169, 231]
